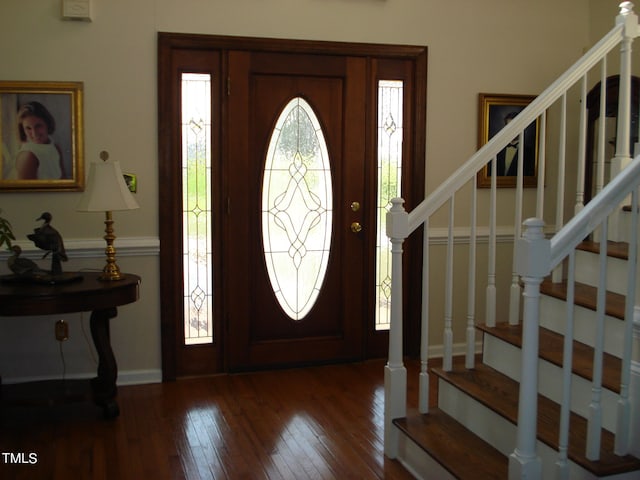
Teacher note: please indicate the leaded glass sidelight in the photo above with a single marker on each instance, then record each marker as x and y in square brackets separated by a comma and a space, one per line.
[297, 205]
[196, 208]
[390, 95]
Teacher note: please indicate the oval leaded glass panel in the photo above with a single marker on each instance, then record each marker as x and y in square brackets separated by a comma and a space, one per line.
[297, 204]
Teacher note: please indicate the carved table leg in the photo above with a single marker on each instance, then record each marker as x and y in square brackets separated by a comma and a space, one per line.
[104, 385]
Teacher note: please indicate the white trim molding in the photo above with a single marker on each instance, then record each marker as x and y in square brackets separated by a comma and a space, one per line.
[94, 248]
[126, 377]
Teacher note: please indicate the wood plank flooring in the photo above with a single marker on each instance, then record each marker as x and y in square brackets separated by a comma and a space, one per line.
[318, 423]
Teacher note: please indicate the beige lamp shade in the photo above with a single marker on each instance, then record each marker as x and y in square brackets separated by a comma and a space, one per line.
[106, 189]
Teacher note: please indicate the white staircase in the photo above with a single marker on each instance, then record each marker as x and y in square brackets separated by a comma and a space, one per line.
[483, 401]
[555, 392]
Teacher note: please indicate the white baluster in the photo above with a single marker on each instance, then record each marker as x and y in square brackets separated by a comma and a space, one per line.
[423, 394]
[562, 152]
[490, 316]
[623, 418]
[582, 142]
[594, 427]
[634, 385]
[562, 464]
[471, 290]
[515, 290]
[542, 165]
[395, 373]
[602, 141]
[447, 361]
[533, 265]
[600, 160]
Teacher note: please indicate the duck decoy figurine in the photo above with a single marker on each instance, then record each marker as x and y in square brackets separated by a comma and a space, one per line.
[22, 267]
[48, 238]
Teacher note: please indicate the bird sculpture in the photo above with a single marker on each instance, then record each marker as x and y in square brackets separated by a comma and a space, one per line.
[48, 238]
[22, 267]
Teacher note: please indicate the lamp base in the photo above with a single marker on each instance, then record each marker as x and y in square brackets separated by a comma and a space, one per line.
[111, 271]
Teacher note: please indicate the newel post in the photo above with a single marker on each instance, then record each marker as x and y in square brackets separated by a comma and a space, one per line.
[395, 373]
[532, 264]
[622, 156]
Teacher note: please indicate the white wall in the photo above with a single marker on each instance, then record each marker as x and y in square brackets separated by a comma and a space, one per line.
[493, 46]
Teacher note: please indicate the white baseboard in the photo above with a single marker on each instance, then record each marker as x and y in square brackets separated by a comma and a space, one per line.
[139, 377]
[126, 377]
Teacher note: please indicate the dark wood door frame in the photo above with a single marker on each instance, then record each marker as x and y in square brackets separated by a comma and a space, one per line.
[172, 45]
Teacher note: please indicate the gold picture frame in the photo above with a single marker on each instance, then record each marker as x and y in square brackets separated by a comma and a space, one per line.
[29, 113]
[495, 111]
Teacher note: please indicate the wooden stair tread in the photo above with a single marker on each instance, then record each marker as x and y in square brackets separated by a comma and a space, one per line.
[457, 449]
[551, 347]
[614, 249]
[585, 296]
[500, 394]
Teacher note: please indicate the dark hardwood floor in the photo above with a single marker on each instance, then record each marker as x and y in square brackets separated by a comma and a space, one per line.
[319, 422]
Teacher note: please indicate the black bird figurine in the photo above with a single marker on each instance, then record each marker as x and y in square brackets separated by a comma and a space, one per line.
[22, 267]
[48, 238]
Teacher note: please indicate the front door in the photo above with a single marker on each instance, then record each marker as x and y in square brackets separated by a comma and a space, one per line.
[296, 233]
[277, 162]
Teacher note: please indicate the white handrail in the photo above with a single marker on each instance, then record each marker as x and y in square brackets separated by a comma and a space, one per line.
[489, 150]
[594, 213]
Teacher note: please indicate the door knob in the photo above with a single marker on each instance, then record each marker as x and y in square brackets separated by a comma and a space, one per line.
[356, 227]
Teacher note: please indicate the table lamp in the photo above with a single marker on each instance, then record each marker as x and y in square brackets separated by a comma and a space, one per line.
[107, 192]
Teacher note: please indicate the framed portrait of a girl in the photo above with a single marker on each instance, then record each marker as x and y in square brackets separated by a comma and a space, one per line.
[41, 135]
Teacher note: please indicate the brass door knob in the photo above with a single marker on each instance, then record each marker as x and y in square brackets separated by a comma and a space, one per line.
[356, 227]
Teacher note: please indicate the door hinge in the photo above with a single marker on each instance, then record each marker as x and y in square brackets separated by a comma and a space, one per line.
[228, 86]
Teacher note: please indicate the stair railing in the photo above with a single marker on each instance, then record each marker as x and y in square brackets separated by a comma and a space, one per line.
[401, 224]
[538, 256]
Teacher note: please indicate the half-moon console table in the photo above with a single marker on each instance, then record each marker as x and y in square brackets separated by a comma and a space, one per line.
[84, 294]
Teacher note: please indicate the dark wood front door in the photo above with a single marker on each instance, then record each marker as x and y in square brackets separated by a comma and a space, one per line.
[263, 331]
[253, 83]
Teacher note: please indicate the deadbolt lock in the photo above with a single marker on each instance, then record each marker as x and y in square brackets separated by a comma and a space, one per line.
[355, 206]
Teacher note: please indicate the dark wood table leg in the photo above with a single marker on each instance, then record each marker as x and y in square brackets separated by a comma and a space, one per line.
[104, 385]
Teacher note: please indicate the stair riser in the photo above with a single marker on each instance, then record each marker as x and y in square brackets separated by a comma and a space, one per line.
[588, 268]
[506, 358]
[623, 233]
[420, 463]
[496, 430]
[553, 314]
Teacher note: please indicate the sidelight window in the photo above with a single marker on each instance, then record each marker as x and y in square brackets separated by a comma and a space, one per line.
[390, 133]
[196, 208]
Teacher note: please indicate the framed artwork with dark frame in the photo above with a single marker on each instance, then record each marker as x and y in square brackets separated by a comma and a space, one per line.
[41, 134]
[495, 111]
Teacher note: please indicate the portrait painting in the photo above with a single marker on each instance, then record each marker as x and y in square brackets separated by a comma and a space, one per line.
[41, 134]
[495, 112]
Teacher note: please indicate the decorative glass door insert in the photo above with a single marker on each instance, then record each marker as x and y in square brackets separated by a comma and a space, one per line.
[297, 208]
